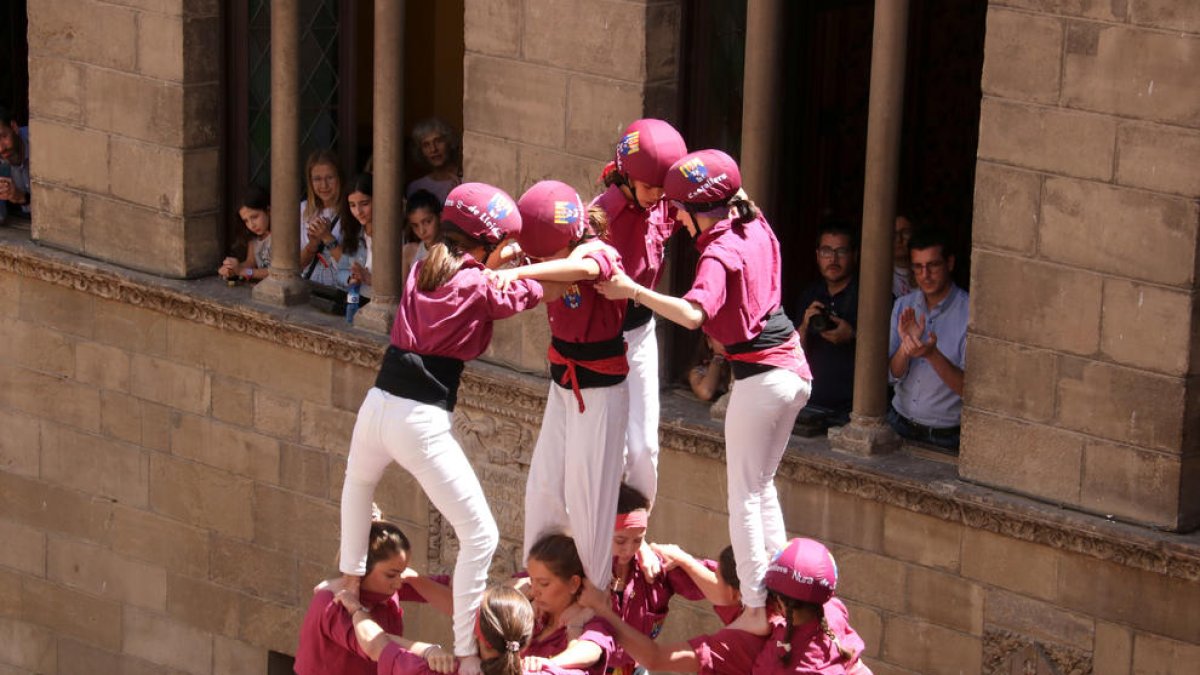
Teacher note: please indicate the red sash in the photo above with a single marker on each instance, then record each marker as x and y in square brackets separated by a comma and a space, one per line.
[788, 356]
[612, 365]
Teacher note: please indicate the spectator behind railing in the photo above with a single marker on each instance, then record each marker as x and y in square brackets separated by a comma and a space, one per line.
[359, 200]
[828, 312]
[320, 218]
[437, 146]
[423, 214]
[14, 166]
[255, 214]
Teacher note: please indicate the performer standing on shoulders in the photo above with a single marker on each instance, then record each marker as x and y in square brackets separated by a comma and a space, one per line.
[735, 299]
[444, 319]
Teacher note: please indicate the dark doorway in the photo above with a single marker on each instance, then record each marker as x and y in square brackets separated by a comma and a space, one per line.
[14, 49]
[824, 111]
[823, 169]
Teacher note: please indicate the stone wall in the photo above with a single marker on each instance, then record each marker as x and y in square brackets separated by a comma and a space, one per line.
[1083, 364]
[169, 483]
[125, 96]
[549, 85]
[171, 464]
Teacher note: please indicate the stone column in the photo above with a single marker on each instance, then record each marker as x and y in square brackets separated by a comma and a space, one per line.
[388, 148]
[284, 286]
[868, 432]
[762, 76]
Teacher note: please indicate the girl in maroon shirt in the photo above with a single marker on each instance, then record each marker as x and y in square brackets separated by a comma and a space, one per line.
[564, 634]
[810, 632]
[639, 224]
[735, 300]
[579, 457]
[327, 642]
[504, 631]
[444, 319]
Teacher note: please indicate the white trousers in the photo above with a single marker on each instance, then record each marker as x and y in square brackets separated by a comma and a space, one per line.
[758, 424]
[641, 437]
[575, 474]
[417, 437]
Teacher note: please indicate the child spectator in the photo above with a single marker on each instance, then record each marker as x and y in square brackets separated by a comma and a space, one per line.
[359, 200]
[423, 213]
[321, 219]
[255, 214]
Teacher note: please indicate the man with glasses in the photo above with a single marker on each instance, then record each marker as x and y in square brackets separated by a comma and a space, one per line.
[928, 347]
[14, 166]
[829, 311]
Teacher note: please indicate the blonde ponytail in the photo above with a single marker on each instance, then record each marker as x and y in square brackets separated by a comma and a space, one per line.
[440, 264]
[445, 257]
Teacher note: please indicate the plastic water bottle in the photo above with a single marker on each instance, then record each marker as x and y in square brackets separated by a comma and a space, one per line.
[353, 300]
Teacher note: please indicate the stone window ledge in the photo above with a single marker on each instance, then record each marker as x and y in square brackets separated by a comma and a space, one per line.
[904, 480]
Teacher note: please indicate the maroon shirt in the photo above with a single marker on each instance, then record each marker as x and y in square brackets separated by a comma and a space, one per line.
[644, 605]
[737, 279]
[327, 642]
[812, 651]
[582, 314]
[455, 319]
[639, 235]
[396, 660]
[727, 652]
[596, 631]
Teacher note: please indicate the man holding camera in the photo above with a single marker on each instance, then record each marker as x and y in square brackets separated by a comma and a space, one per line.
[928, 347]
[829, 310]
[14, 165]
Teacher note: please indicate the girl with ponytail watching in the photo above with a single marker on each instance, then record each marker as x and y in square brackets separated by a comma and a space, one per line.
[810, 631]
[735, 300]
[577, 463]
[444, 319]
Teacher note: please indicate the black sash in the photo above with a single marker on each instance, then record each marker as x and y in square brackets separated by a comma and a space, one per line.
[418, 377]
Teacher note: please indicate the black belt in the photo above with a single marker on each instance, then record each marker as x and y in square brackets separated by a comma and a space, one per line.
[932, 432]
[636, 316]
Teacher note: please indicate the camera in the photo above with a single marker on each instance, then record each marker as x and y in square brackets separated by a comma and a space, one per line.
[822, 321]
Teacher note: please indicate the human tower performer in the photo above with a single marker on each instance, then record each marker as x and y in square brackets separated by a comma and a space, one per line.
[735, 300]
[444, 319]
[593, 475]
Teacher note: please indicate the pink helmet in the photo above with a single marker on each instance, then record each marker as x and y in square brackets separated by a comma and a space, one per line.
[482, 211]
[647, 149]
[553, 218]
[703, 177]
[805, 571]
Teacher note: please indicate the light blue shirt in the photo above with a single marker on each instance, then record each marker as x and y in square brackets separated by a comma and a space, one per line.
[921, 395]
[20, 176]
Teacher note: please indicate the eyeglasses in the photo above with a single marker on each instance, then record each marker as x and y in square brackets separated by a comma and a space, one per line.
[930, 267]
[829, 252]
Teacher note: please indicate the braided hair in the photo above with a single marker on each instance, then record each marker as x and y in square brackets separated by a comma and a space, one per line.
[790, 607]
